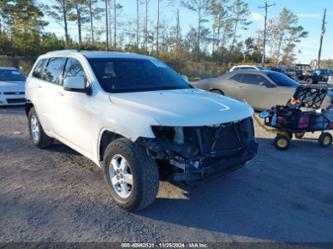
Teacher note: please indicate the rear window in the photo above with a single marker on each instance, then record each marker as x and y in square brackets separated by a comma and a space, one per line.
[243, 68]
[282, 80]
[11, 75]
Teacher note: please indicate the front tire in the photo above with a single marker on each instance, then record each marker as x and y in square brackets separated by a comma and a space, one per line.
[132, 176]
[282, 142]
[37, 134]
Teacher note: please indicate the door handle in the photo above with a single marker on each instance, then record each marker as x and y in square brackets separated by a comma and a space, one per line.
[39, 86]
[60, 94]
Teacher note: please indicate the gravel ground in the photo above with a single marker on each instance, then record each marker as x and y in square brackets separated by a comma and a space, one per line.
[58, 195]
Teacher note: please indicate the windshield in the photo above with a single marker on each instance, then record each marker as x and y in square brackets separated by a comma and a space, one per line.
[11, 75]
[132, 75]
[282, 80]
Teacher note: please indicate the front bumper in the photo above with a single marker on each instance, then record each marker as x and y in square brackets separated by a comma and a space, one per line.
[224, 165]
[12, 98]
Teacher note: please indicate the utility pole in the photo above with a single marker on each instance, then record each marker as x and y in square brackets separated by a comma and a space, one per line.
[178, 32]
[265, 31]
[107, 23]
[323, 30]
[158, 26]
[137, 23]
[115, 5]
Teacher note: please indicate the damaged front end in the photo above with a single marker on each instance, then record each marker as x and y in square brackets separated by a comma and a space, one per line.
[195, 152]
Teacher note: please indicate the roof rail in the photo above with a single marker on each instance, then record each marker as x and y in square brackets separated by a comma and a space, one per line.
[64, 50]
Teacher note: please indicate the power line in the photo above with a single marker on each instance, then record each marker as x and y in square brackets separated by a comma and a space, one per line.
[265, 30]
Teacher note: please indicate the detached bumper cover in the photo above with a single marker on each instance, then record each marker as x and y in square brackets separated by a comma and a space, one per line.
[225, 165]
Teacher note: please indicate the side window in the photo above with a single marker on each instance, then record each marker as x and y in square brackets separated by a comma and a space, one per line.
[73, 69]
[237, 77]
[54, 70]
[254, 79]
[39, 69]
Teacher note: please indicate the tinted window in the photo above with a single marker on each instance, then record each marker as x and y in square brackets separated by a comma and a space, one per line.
[130, 75]
[73, 69]
[243, 68]
[237, 77]
[11, 75]
[54, 69]
[39, 69]
[254, 79]
[282, 80]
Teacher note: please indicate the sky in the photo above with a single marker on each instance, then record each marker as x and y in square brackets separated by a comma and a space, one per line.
[309, 12]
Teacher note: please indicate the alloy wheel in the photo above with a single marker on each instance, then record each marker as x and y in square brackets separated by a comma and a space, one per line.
[121, 177]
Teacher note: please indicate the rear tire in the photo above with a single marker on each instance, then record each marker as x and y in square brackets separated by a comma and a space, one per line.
[37, 134]
[282, 142]
[325, 139]
[134, 185]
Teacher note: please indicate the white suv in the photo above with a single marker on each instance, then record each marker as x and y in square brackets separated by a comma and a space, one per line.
[137, 119]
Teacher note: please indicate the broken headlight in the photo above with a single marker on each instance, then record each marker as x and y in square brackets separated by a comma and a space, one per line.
[174, 134]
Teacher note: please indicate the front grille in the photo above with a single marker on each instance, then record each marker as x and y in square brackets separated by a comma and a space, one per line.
[225, 140]
[13, 93]
[16, 101]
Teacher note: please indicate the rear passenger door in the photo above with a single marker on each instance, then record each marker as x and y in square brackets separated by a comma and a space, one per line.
[73, 112]
[47, 83]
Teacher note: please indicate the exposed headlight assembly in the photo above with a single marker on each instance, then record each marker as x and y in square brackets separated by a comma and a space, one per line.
[174, 134]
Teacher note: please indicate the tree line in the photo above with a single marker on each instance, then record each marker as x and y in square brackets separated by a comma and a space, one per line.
[214, 38]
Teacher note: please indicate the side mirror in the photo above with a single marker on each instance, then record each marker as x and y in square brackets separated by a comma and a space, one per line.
[184, 77]
[75, 84]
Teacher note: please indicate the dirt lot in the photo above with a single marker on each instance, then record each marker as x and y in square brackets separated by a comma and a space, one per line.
[58, 195]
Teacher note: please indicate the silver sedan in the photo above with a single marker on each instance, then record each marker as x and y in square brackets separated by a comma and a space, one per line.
[260, 89]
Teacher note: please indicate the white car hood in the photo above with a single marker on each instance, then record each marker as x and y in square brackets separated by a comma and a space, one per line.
[12, 86]
[189, 107]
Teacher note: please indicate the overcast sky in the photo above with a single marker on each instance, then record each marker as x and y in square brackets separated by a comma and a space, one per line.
[309, 12]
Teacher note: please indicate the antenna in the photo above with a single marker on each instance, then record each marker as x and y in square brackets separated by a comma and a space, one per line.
[265, 30]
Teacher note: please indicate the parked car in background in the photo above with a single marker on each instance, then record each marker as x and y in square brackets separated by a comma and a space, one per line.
[261, 89]
[330, 78]
[305, 74]
[245, 67]
[289, 71]
[323, 74]
[12, 86]
[135, 117]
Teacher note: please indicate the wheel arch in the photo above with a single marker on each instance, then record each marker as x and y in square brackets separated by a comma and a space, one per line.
[105, 138]
[27, 106]
[216, 89]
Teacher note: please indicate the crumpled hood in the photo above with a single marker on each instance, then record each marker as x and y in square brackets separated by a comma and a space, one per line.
[12, 86]
[188, 107]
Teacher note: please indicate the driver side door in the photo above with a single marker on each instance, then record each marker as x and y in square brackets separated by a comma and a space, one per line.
[73, 112]
[256, 90]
